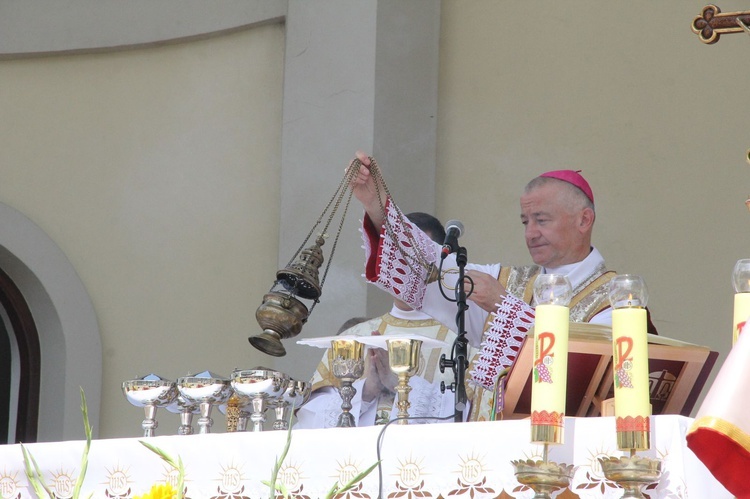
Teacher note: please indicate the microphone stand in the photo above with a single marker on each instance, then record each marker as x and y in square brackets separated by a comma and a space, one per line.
[459, 362]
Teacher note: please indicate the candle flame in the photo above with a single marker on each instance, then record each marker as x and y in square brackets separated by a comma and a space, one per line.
[630, 299]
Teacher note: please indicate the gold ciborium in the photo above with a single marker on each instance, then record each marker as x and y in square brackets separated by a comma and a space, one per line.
[403, 358]
[631, 473]
[346, 358]
[543, 477]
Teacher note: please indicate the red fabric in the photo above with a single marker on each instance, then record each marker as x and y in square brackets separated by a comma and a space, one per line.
[728, 461]
[372, 265]
[572, 177]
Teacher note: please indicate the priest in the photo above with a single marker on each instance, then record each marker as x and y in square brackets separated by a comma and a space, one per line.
[558, 213]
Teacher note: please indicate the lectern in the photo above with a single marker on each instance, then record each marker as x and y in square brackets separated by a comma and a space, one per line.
[677, 373]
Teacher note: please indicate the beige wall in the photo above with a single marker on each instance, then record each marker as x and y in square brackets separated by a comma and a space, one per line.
[157, 173]
[157, 170]
[627, 93]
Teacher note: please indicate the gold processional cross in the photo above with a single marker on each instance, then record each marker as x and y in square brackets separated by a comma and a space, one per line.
[712, 23]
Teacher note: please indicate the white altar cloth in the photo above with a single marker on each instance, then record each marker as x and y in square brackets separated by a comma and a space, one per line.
[460, 460]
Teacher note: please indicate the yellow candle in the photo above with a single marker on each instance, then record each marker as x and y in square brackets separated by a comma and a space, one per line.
[630, 362]
[550, 372]
[741, 313]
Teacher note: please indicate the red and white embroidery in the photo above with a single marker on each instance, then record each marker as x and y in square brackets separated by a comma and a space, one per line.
[388, 268]
[502, 341]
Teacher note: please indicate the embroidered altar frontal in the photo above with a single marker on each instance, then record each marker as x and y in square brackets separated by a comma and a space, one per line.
[459, 460]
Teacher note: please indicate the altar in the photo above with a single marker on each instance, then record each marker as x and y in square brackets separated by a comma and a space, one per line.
[456, 460]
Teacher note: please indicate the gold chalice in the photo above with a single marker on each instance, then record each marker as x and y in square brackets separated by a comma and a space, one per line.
[403, 357]
[346, 358]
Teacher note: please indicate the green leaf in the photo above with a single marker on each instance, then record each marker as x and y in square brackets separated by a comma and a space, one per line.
[85, 457]
[335, 490]
[178, 465]
[35, 475]
[280, 460]
[273, 486]
[279, 486]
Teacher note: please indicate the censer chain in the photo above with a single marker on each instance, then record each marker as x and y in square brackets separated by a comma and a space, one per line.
[418, 258]
[337, 195]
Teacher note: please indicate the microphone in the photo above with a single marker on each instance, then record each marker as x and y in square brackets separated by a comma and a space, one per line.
[453, 230]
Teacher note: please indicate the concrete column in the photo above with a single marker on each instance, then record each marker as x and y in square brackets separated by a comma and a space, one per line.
[358, 75]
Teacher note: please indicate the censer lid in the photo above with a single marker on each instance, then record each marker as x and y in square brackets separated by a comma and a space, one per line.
[301, 277]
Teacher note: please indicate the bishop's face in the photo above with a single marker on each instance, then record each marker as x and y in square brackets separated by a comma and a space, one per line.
[554, 228]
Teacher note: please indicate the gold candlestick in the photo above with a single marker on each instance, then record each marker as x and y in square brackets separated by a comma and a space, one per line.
[403, 358]
[543, 477]
[631, 473]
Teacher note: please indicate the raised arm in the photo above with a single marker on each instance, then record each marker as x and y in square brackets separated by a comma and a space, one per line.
[365, 189]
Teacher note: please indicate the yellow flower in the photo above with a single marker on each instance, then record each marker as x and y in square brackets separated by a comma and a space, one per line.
[164, 491]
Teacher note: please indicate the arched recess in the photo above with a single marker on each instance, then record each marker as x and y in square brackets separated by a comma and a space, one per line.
[68, 332]
[24, 364]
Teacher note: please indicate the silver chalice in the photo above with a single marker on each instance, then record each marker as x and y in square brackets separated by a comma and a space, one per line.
[260, 385]
[295, 395]
[205, 389]
[150, 392]
[185, 409]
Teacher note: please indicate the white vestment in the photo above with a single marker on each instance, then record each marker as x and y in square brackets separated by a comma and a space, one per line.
[425, 397]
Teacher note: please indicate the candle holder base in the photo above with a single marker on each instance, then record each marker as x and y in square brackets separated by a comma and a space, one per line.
[543, 477]
[631, 473]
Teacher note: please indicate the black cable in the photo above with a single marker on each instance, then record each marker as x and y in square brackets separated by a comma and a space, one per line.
[465, 279]
[380, 443]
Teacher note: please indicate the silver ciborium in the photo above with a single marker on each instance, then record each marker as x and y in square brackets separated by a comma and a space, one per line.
[186, 410]
[205, 389]
[260, 385]
[346, 358]
[150, 392]
[295, 395]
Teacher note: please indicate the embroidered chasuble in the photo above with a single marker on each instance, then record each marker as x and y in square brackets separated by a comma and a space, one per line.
[590, 298]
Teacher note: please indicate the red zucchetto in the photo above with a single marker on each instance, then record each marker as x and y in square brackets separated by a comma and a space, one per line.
[572, 177]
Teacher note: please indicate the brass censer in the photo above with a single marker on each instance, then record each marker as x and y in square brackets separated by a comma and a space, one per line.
[282, 313]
